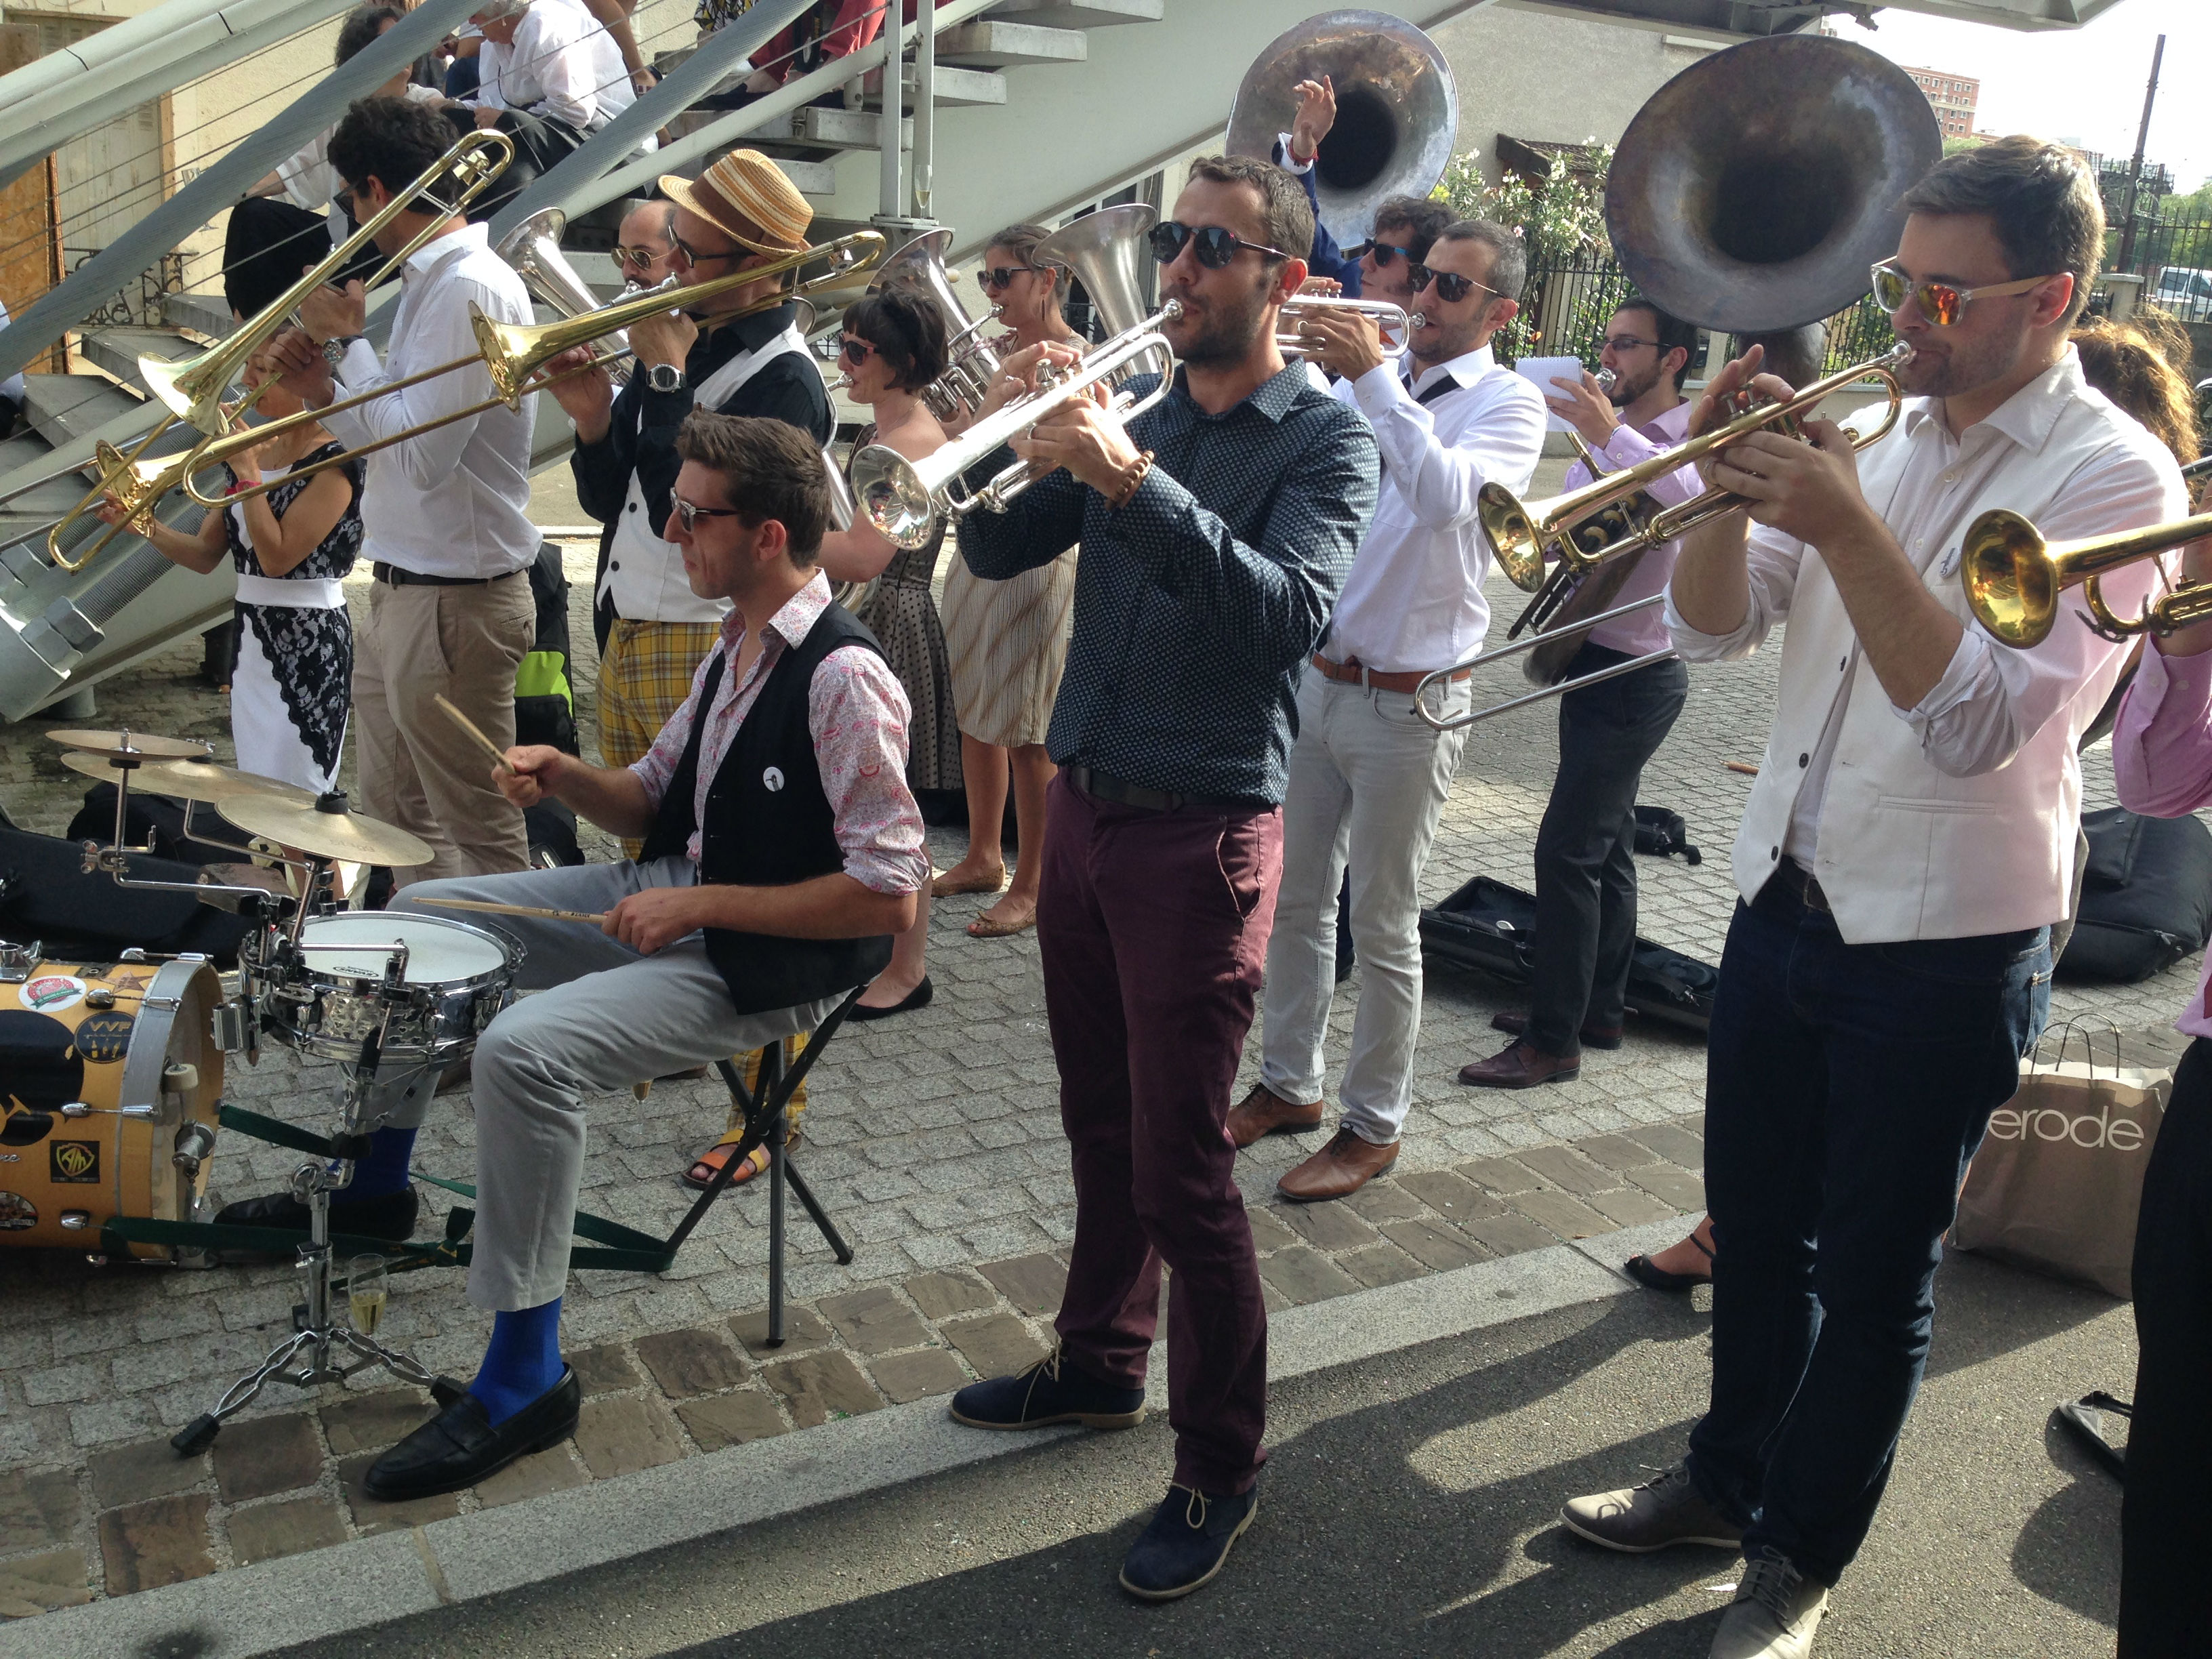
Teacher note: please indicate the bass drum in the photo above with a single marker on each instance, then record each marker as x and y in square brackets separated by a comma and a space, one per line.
[135, 1038]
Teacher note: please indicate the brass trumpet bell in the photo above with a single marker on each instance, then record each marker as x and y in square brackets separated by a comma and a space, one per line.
[2013, 580]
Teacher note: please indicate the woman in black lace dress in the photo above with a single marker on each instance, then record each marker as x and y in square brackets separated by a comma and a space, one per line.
[291, 691]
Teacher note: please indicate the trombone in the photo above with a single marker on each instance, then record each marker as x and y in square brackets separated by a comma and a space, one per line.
[192, 389]
[904, 499]
[2014, 579]
[512, 353]
[1580, 625]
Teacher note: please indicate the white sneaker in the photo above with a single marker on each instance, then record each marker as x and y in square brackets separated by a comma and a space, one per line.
[1776, 1611]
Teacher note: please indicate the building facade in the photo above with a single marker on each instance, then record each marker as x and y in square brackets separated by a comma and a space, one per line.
[1953, 98]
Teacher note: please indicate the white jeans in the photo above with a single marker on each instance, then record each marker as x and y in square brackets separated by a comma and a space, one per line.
[605, 1017]
[1368, 781]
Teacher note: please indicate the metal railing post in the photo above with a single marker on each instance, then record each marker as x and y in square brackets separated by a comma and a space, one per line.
[924, 107]
[893, 203]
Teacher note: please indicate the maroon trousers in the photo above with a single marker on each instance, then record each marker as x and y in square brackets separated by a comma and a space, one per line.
[1153, 929]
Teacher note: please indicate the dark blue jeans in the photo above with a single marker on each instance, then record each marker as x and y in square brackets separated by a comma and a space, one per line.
[1847, 1087]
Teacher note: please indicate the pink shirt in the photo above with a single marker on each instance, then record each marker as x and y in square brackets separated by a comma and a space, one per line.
[2162, 761]
[858, 713]
[1646, 631]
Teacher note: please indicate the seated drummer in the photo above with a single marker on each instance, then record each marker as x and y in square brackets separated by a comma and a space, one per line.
[782, 850]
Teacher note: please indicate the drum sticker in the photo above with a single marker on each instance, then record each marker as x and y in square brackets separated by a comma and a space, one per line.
[131, 982]
[16, 1212]
[74, 1163]
[104, 1039]
[39, 1072]
[50, 993]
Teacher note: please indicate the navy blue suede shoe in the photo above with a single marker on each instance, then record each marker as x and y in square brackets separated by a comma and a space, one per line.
[1189, 1539]
[1047, 1393]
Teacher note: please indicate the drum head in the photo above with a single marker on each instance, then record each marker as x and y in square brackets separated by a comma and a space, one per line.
[438, 952]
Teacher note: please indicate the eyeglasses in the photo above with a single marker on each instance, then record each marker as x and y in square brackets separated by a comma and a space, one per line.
[855, 352]
[642, 257]
[694, 257]
[1382, 254]
[1000, 277]
[688, 513]
[1939, 303]
[1216, 245]
[1620, 344]
[1451, 288]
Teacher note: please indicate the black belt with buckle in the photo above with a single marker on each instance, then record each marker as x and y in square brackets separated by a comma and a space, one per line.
[396, 577]
[1099, 787]
[1802, 884]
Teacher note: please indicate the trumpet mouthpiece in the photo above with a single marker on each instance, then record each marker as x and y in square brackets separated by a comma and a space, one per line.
[1605, 378]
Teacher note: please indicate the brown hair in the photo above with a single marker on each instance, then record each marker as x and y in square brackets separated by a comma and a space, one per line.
[1284, 211]
[1021, 240]
[1423, 216]
[2039, 198]
[769, 470]
[2130, 363]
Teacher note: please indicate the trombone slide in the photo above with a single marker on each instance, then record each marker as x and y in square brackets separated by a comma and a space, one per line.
[1581, 625]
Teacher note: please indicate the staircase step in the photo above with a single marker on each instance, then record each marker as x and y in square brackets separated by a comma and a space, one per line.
[1081, 14]
[957, 87]
[996, 43]
[119, 350]
[205, 313]
[63, 407]
[838, 128]
[808, 178]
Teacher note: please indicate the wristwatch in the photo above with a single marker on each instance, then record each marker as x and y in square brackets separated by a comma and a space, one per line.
[334, 349]
[664, 377]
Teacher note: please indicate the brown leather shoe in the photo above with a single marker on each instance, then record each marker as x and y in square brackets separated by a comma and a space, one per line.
[1339, 1170]
[1523, 1065]
[1264, 1112]
[1514, 1021]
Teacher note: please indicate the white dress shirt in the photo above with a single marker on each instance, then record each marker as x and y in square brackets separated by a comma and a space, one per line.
[452, 502]
[1956, 816]
[562, 63]
[1414, 601]
[1646, 631]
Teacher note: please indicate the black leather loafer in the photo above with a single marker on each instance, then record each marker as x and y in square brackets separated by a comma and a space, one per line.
[388, 1215]
[461, 1445]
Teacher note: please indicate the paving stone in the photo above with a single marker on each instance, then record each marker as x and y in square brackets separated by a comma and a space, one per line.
[1564, 1216]
[1679, 1188]
[940, 1296]
[731, 1420]
[1328, 1226]
[1630, 1208]
[1505, 1176]
[1567, 1170]
[370, 1422]
[63, 1383]
[55, 1579]
[687, 1363]
[1380, 1264]
[918, 1375]
[1615, 1152]
[1034, 1284]
[1450, 1195]
[1507, 1234]
[1379, 1201]
[874, 1321]
[163, 1542]
[803, 1328]
[40, 1508]
[1674, 1143]
[1269, 1232]
[372, 1516]
[995, 1344]
[262, 1457]
[820, 1385]
[606, 1369]
[261, 1532]
[1437, 1248]
[552, 1470]
[620, 1434]
[1303, 1275]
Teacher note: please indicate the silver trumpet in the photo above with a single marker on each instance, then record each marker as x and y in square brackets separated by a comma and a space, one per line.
[904, 499]
[533, 249]
[1290, 335]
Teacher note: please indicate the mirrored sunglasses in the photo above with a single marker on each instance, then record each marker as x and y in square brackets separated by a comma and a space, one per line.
[1940, 303]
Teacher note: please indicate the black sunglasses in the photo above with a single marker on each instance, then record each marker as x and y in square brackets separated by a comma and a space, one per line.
[694, 257]
[1217, 246]
[687, 513]
[1450, 288]
[855, 352]
[1000, 277]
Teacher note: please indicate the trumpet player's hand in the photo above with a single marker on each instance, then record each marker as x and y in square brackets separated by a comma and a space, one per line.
[1085, 437]
[1016, 374]
[587, 397]
[1582, 403]
[666, 337]
[1808, 489]
[1327, 287]
[301, 368]
[1345, 343]
[1316, 115]
[1727, 394]
[332, 314]
[530, 773]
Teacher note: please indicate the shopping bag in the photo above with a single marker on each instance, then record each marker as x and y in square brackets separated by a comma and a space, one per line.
[2059, 1179]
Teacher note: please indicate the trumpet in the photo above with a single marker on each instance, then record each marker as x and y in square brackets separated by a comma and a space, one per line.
[1526, 536]
[513, 352]
[904, 499]
[2014, 578]
[1290, 336]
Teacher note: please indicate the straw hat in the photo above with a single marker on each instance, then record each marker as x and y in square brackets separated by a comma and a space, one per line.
[745, 187]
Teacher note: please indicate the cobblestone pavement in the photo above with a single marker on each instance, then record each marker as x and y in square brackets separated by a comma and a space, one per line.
[933, 1137]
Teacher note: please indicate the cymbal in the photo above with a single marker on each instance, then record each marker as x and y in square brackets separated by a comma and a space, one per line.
[127, 744]
[193, 779]
[337, 834]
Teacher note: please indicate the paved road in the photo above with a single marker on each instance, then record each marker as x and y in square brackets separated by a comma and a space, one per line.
[1407, 1510]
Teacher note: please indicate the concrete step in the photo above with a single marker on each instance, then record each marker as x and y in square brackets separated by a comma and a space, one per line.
[118, 349]
[809, 178]
[62, 407]
[995, 43]
[837, 129]
[1081, 13]
[206, 312]
[957, 87]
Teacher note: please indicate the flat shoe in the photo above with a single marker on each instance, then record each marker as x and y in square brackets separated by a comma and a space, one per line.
[986, 927]
[917, 998]
[461, 1445]
[945, 886]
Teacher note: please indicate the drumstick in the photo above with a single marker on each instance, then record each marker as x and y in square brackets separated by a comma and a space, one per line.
[497, 754]
[490, 908]
[1744, 767]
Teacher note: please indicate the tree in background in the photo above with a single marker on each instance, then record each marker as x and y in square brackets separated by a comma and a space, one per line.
[1574, 284]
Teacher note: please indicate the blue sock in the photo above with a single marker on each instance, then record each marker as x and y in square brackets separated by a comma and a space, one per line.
[522, 1363]
[385, 1169]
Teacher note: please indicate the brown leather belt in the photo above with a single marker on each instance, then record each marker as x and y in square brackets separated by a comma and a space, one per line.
[1359, 673]
[1801, 885]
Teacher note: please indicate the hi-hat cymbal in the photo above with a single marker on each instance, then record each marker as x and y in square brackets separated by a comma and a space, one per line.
[335, 834]
[127, 744]
[193, 779]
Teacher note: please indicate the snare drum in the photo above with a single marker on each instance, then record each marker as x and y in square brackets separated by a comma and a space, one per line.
[136, 1038]
[336, 995]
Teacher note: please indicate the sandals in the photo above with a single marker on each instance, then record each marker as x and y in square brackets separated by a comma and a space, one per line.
[1640, 1268]
[986, 927]
[944, 886]
[708, 1164]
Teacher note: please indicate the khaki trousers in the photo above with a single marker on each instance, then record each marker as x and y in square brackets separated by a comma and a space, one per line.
[418, 769]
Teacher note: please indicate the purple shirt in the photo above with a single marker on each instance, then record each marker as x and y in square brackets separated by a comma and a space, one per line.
[1646, 631]
[2163, 762]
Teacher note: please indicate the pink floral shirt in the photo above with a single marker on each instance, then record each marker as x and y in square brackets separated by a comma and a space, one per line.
[858, 713]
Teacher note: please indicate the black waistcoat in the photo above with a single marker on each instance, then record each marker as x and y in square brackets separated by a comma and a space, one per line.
[769, 825]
